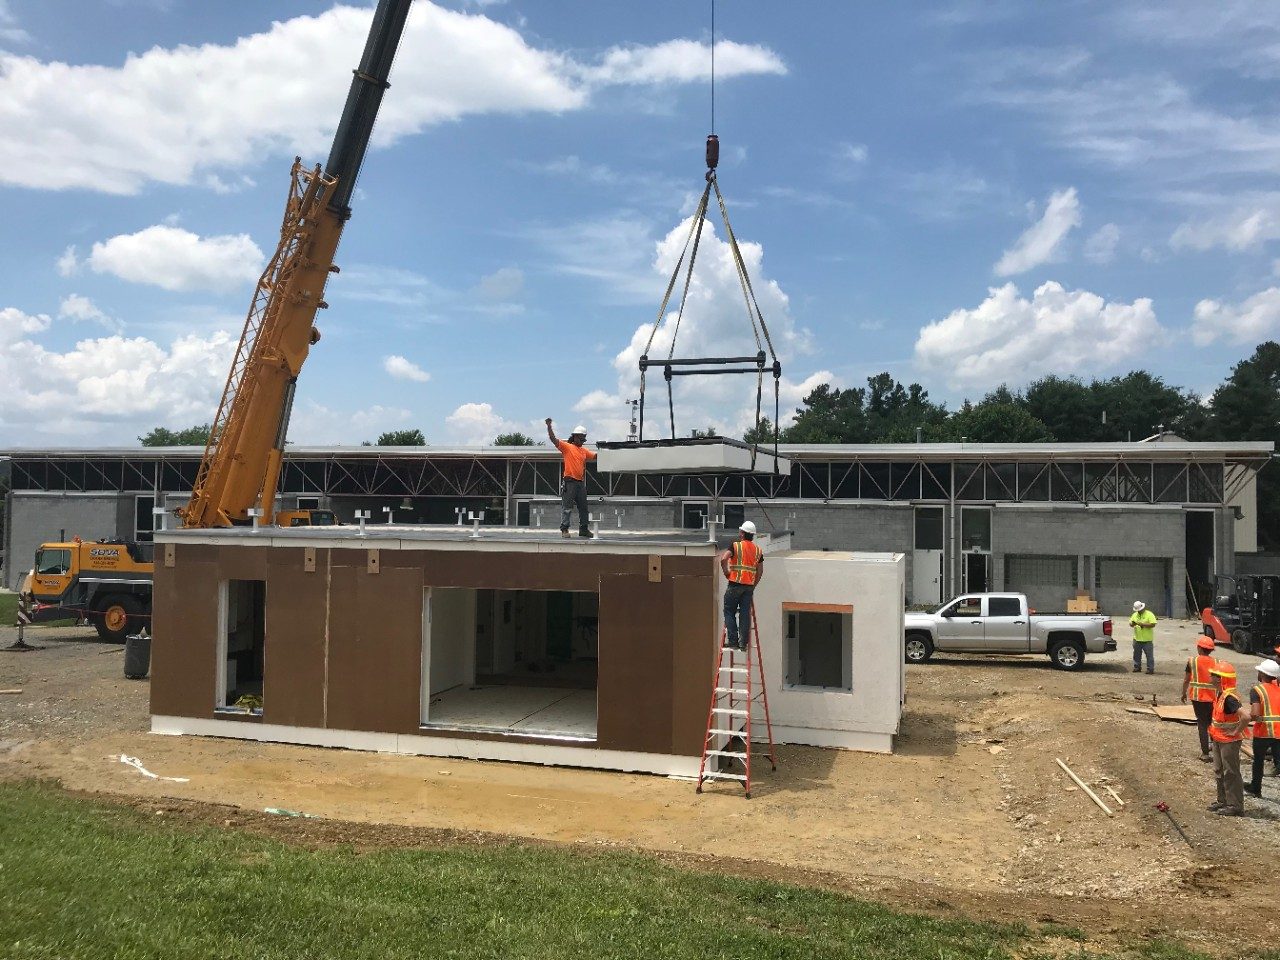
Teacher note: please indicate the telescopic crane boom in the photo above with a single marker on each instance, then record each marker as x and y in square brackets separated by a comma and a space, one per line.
[241, 464]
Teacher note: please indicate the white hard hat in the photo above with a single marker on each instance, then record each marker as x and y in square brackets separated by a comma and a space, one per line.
[579, 429]
[1270, 668]
[1138, 605]
[748, 527]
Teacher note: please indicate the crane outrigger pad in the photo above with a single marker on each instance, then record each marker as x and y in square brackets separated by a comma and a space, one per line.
[704, 455]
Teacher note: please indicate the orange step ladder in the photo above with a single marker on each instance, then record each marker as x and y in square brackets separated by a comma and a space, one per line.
[739, 696]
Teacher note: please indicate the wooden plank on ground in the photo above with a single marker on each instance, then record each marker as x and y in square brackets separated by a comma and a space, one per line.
[1178, 714]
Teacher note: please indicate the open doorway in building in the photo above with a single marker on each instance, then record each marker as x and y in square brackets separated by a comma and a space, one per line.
[1200, 566]
[975, 543]
[512, 661]
[926, 561]
[242, 640]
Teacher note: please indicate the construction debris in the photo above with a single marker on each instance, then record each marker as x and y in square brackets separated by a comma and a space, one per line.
[137, 765]
[1179, 714]
[1085, 787]
[11, 690]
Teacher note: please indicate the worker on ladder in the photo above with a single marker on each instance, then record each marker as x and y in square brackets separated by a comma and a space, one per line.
[743, 566]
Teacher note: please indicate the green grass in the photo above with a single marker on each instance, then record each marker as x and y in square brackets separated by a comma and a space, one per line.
[82, 880]
[9, 614]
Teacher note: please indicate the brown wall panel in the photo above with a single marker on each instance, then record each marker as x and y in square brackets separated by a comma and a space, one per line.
[375, 649]
[185, 628]
[634, 705]
[293, 683]
[693, 661]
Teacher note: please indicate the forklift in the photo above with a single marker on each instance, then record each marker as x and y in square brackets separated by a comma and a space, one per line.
[1244, 613]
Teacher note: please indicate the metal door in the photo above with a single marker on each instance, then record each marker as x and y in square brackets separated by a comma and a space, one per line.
[963, 627]
[1006, 625]
[926, 576]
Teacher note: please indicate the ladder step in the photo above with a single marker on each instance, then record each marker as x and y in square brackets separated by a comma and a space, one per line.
[732, 713]
[725, 733]
[726, 753]
[741, 693]
[736, 669]
[724, 776]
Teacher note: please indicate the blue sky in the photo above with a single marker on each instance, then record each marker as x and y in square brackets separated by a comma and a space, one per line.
[962, 194]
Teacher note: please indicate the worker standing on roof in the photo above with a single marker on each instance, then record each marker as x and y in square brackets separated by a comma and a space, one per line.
[1143, 622]
[1227, 730]
[1198, 684]
[573, 481]
[743, 566]
[1264, 704]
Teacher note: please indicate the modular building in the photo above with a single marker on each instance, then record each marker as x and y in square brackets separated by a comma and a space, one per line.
[1151, 520]
[510, 644]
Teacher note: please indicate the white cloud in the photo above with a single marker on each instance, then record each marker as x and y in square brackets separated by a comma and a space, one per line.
[10, 32]
[1010, 339]
[476, 424]
[402, 369]
[68, 263]
[108, 388]
[715, 323]
[1252, 321]
[854, 152]
[78, 308]
[315, 424]
[682, 61]
[1238, 230]
[1101, 245]
[180, 115]
[1041, 242]
[177, 259]
[503, 285]
[222, 187]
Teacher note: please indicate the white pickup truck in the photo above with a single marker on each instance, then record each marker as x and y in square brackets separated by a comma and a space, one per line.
[1002, 623]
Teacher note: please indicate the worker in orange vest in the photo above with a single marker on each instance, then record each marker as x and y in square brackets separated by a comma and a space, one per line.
[1264, 703]
[1198, 685]
[1227, 730]
[573, 482]
[743, 567]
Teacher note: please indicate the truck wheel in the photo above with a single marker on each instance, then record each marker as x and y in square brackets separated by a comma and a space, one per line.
[919, 648]
[1067, 655]
[117, 618]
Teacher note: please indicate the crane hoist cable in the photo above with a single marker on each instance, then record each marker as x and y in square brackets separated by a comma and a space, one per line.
[674, 366]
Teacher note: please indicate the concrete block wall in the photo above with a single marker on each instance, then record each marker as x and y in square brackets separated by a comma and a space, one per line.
[1093, 532]
[37, 518]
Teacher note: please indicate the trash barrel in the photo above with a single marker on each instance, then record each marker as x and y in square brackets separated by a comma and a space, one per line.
[137, 656]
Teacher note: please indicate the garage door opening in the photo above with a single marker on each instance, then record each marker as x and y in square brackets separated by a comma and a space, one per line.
[511, 661]
[1199, 546]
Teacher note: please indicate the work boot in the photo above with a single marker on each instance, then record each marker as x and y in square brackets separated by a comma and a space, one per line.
[1206, 758]
[1216, 806]
[564, 532]
[1254, 793]
[1137, 669]
[1150, 671]
[584, 534]
[1229, 812]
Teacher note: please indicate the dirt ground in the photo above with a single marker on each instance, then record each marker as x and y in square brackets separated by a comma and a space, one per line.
[970, 816]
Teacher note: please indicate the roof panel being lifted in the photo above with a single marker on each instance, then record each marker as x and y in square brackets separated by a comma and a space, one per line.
[702, 455]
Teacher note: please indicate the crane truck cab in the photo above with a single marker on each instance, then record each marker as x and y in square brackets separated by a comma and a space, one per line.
[105, 582]
[306, 518]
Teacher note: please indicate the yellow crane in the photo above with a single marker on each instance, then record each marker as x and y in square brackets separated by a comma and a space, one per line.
[109, 582]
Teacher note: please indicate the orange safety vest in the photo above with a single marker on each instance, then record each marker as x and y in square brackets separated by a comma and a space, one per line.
[1201, 685]
[1226, 727]
[1268, 724]
[744, 563]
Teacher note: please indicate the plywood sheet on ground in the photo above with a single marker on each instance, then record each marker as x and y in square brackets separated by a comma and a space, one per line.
[1179, 714]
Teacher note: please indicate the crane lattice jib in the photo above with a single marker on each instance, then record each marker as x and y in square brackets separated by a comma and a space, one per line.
[277, 335]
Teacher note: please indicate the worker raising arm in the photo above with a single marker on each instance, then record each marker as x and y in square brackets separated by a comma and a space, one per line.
[573, 481]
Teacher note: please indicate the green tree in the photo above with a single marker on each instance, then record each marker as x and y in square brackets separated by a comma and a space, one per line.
[996, 421]
[400, 438]
[164, 437]
[1247, 407]
[515, 439]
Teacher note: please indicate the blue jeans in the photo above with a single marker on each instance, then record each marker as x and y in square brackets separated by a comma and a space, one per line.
[1148, 650]
[737, 615]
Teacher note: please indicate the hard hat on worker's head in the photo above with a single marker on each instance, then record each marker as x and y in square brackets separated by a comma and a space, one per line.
[1204, 642]
[1138, 605]
[1226, 671]
[748, 528]
[1270, 669]
[579, 431]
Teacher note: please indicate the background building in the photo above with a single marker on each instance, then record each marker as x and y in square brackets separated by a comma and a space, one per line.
[1122, 520]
